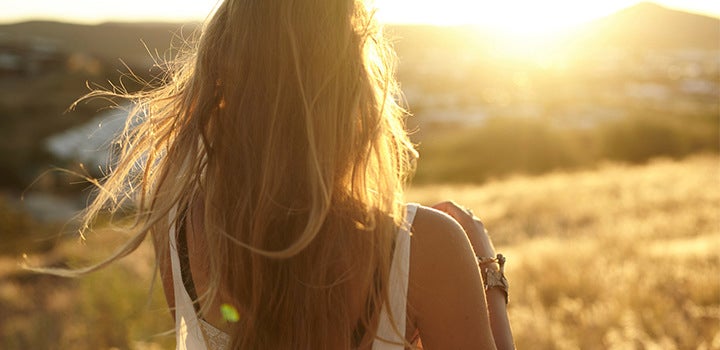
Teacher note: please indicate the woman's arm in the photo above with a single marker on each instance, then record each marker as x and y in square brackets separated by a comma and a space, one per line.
[499, 321]
[446, 294]
[483, 247]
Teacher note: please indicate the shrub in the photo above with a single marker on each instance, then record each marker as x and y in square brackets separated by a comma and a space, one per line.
[506, 146]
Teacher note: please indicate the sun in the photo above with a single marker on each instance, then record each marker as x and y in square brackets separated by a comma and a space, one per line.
[511, 17]
[525, 30]
[530, 18]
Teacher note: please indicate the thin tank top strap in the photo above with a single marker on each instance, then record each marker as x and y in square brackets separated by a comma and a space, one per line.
[188, 333]
[389, 337]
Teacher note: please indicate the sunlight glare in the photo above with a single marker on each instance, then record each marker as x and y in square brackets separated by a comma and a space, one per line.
[513, 17]
[527, 30]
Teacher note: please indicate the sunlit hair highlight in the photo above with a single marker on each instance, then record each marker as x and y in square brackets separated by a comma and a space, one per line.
[283, 123]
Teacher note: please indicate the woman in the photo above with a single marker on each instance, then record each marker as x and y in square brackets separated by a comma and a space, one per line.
[271, 170]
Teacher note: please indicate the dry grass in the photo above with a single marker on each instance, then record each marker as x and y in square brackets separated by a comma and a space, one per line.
[616, 258]
[110, 309]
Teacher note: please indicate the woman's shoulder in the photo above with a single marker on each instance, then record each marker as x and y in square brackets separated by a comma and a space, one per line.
[439, 246]
[432, 226]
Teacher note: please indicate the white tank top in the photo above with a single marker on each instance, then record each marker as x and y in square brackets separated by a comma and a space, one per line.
[193, 333]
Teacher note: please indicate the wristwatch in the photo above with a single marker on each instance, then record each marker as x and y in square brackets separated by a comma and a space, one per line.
[496, 279]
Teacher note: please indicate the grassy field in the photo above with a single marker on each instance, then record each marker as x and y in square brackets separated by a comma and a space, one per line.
[617, 257]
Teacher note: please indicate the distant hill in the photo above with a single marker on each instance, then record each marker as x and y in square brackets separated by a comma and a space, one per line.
[645, 26]
[652, 27]
[109, 41]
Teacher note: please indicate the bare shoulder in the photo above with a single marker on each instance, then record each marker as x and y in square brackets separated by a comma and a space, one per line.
[439, 244]
[433, 226]
[446, 295]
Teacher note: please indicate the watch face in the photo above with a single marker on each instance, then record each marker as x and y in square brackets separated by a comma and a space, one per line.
[495, 279]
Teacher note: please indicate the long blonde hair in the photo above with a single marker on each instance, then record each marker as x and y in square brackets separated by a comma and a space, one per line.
[283, 121]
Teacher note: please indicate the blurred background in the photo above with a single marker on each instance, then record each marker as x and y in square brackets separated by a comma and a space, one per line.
[585, 134]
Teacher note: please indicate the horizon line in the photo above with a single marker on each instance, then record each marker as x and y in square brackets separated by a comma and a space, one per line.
[188, 20]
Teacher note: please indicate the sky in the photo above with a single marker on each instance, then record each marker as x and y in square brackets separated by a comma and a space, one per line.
[505, 15]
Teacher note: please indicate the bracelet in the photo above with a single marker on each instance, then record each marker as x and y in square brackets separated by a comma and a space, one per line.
[483, 260]
[499, 259]
[495, 278]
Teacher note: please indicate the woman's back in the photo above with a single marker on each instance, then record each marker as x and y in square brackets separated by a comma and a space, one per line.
[188, 279]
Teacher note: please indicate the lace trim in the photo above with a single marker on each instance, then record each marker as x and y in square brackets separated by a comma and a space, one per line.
[214, 338]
